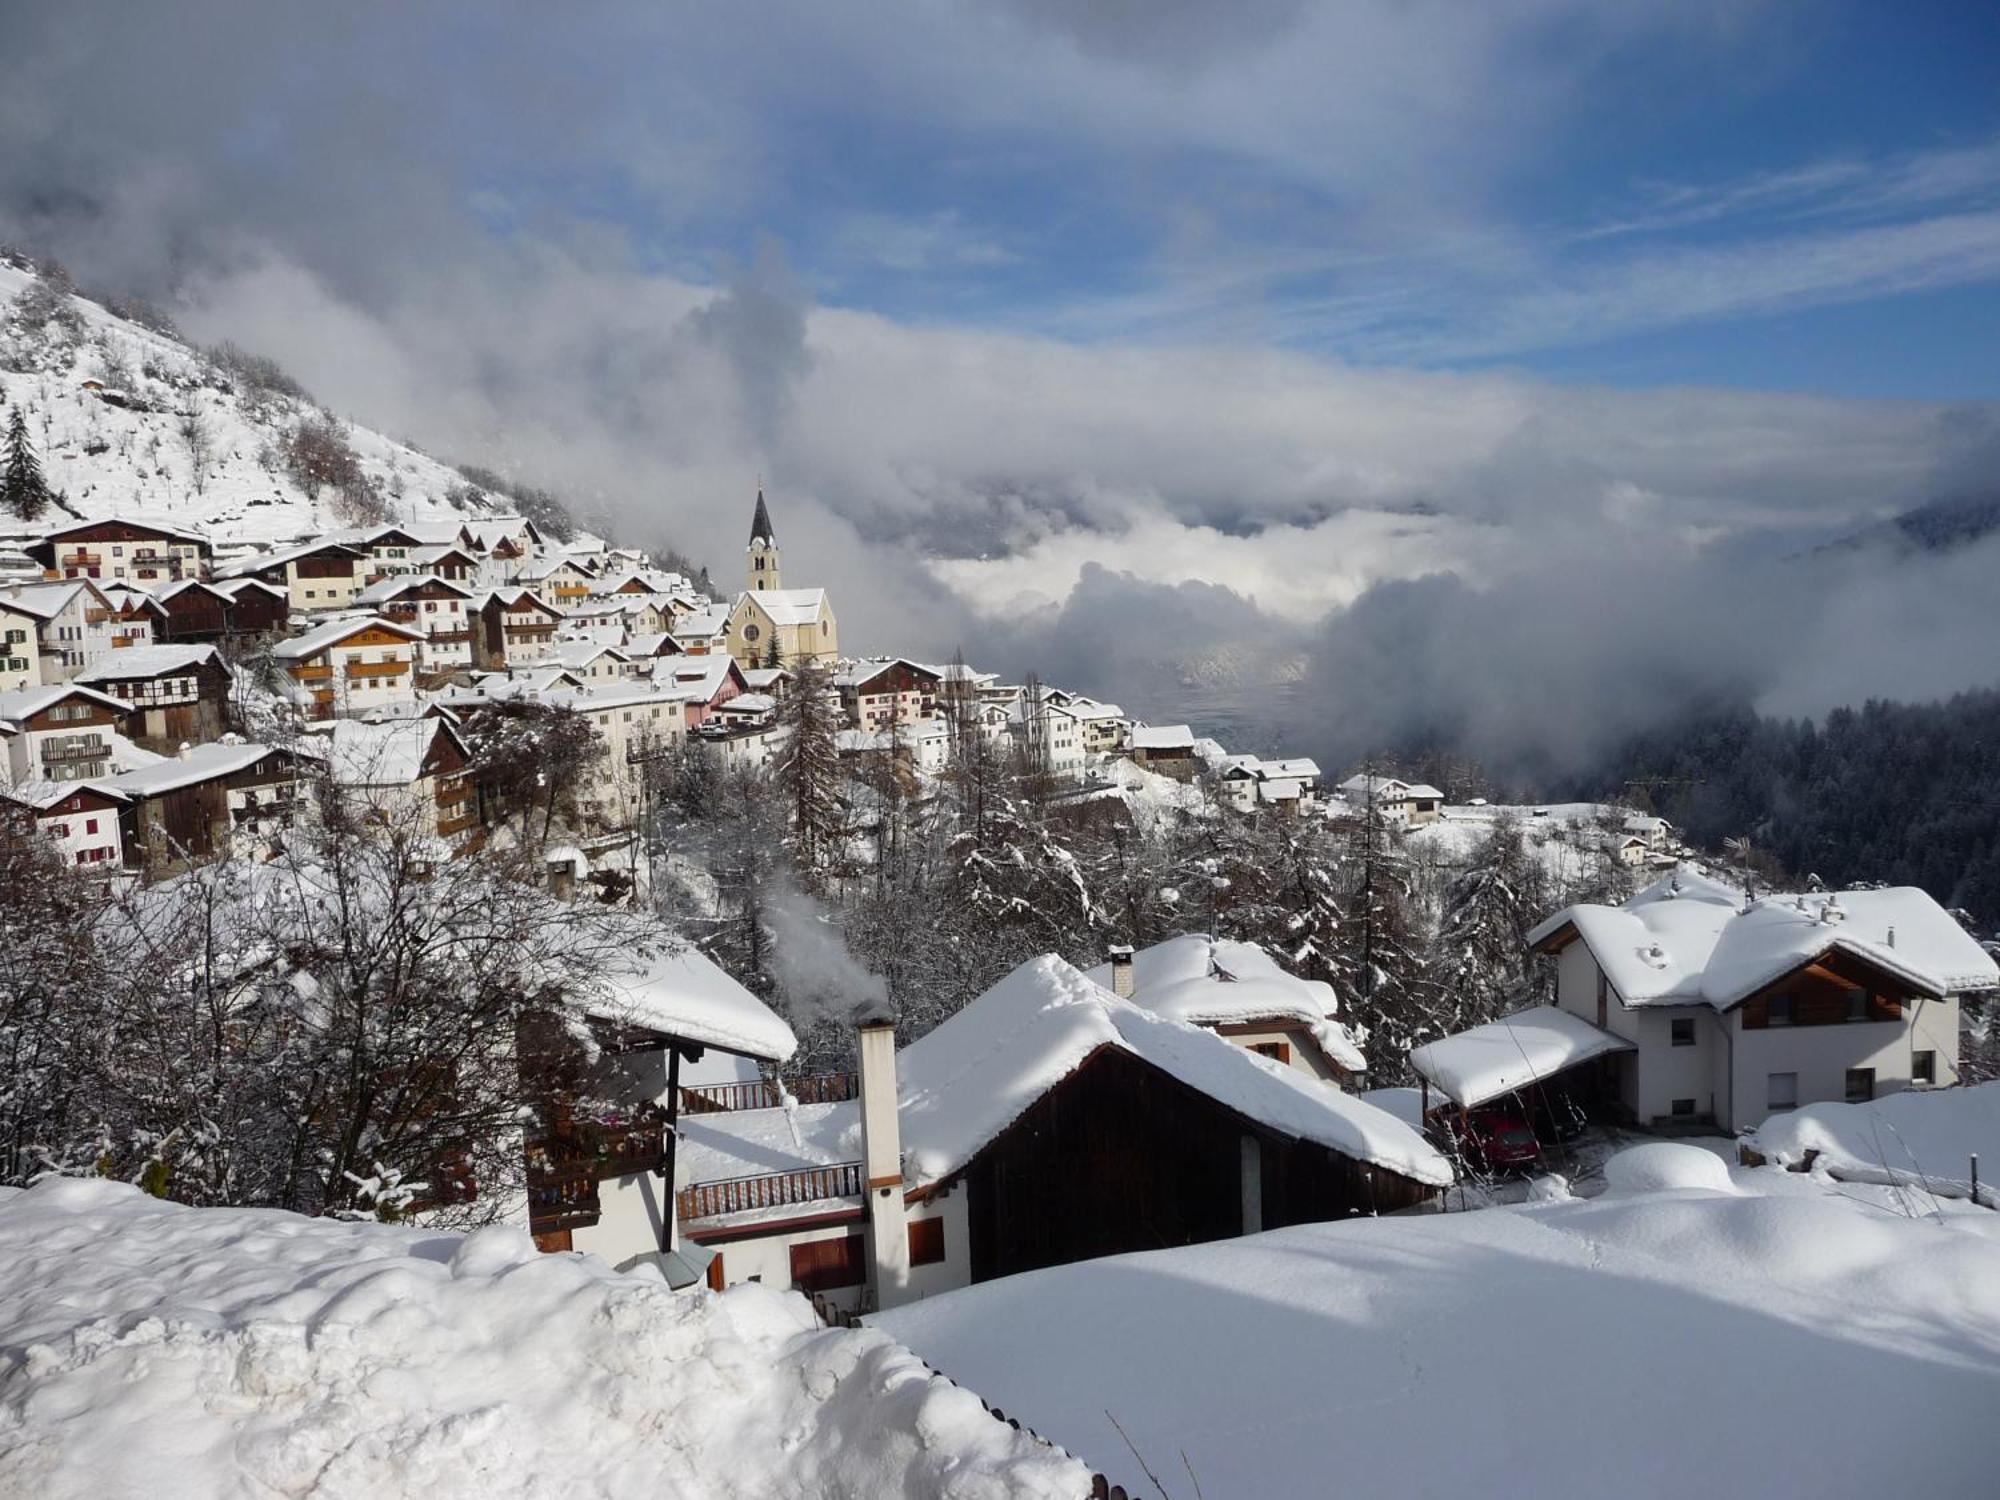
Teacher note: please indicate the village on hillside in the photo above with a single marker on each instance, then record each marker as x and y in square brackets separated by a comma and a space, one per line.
[563, 856]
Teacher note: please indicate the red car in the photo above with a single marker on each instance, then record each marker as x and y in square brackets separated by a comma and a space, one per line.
[1496, 1140]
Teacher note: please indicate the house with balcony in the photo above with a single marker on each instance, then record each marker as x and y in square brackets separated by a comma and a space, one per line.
[232, 797]
[60, 732]
[1049, 1121]
[1408, 804]
[1726, 1005]
[317, 577]
[78, 623]
[512, 627]
[118, 549]
[876, 694]
[409, 774]
[176, 694]
[347, 667]
[257, 610]
[563, 581]
[1248, 782]
[666, 1025]
[440, 611]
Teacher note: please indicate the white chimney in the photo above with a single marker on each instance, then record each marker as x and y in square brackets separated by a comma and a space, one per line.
[882, 1163]
[186, 752]
[1121, 970]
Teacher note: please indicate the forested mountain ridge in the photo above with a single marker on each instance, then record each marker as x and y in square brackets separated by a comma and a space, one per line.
[1905, 793]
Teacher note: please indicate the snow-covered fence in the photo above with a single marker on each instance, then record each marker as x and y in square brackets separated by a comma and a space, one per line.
[1101, 1487]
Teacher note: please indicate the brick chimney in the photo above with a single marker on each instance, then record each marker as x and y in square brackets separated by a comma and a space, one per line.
[882, 1163]
[1121, 970]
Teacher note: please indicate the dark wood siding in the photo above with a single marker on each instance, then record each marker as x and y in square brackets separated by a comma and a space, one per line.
[1120, 1156]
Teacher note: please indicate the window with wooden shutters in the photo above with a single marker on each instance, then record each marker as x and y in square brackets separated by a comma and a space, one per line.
[822, 1265]
[926, 1242]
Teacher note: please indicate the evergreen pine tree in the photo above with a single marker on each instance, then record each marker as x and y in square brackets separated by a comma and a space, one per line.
[808, 769]
[23, 491]
[1481, 962]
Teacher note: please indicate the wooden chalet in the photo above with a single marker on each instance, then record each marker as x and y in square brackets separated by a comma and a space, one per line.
[512, 626]
[121, 550]
[176, 693]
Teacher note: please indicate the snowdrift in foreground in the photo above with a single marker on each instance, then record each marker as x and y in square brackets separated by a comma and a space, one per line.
[1687, 1342]
[1921, 1138]
[148, 1349]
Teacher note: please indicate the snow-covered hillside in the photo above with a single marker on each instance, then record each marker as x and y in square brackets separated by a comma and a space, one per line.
[1696, 1330]
[152, 1350]
[123, 449]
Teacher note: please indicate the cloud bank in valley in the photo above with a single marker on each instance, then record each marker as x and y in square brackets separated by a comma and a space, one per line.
[1152, 493]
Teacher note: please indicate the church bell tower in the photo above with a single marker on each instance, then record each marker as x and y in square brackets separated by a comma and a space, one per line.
[763, 549]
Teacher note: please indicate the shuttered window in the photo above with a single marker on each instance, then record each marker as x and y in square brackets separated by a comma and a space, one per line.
[821, 1265]
[926, 1242]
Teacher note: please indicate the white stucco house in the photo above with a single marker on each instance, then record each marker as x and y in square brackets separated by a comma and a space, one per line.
[1735, 1005]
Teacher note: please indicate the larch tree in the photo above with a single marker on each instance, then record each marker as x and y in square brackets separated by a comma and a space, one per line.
[808, 770]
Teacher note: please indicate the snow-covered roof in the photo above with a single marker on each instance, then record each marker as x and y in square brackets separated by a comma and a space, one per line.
[1690, 939]
[681, 992]
[1209, 981]
[196, 763]
[581, 653]
[1389, 789]
[1163, 737]
[359, 753]
[258, 562]
[700, 624]
[333, 632]
[747, 703]
[47, 600]
[1487, 1061]
[140, 523]
[25, 703]
[234, 586]
[972, 1077]
[395, 586]
[148, 661]
[41, 794]
[788, 606]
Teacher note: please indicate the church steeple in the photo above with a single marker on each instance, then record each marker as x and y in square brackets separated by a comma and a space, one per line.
[763, 548]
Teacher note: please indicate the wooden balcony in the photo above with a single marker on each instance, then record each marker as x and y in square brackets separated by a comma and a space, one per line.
[565, 1168]
[366, 670]
[311, 671]
[87, 750]
[82, 560]
[735, 1195]
[767, 1093]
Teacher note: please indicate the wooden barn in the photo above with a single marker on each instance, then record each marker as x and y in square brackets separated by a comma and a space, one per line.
[201, 803]
[1049, 1121]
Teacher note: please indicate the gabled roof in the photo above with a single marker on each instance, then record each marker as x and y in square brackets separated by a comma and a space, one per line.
[679, 991]
[25, 703]
[964, 1083]
[1691, 939]
[174, 533]
[234, 586]
[47, 600]
[700, 624]
[393, 587]
[148, 661]
[787, 606]
[259, 562]
[197, 763]
[333, 632]
[39, 795]
[360, 754]
[862, 673]
[1209, 981]
[1163, 737]
[181, 586]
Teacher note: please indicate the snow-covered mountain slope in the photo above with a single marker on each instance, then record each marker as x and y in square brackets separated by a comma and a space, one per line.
[124, 449]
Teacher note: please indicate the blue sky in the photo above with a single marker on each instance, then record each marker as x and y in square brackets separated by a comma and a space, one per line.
[1780, 196]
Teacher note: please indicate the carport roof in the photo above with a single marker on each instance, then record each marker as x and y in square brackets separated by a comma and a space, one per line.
[1484, 1062]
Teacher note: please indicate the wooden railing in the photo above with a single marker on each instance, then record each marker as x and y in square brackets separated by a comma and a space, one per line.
[735, 1195]
[311, 671]
[768, 1093]
[377, 668]
[564, 1169]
